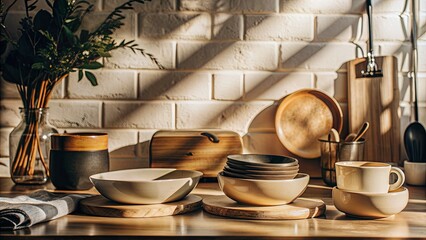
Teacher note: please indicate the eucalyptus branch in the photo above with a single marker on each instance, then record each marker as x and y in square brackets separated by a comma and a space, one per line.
[53, 43]
[116, 13]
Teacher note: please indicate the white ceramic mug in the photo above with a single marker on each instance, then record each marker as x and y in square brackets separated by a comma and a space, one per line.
[370, 177]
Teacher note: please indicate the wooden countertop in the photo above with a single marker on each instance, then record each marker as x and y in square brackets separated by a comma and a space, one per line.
[411, 223]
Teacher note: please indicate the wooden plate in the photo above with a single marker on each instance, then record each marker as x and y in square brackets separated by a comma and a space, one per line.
[100, 206]
[305, 116]
[301, 208]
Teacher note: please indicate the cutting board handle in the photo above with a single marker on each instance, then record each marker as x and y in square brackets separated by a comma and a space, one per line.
[212, 137]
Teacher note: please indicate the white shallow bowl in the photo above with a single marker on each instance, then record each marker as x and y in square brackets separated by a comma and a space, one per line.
[263, 192]
[147, 185]
[370, 205]
[415, 173]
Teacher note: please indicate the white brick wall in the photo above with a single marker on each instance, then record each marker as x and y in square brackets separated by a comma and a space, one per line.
[316, 56]
[228, 64]
[174, 85]
[75, 113]
[227, 26]
[338, 27]
[322, 7]
[274, 86]
[227, 115]
[138, 115]
[112, 84]
[235, 6]
[194, 26]
[279, 27]
[227, 55]
[228, 86]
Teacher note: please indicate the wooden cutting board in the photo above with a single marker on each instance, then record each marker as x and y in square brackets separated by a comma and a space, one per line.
[376, 100]
[301, 208]
[201, 150]
[100, 206]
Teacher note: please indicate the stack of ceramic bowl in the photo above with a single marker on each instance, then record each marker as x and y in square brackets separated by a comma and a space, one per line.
[264, 180]
[266, 167]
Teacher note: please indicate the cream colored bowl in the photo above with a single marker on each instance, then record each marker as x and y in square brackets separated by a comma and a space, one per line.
[263, 192]
[147, 185]
[370, 205]
[415, 173]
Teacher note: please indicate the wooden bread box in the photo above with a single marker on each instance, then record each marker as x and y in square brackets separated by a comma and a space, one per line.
[202, 150]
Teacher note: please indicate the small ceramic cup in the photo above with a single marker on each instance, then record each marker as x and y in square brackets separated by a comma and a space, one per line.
[415, 173]
[368, 177]
[74, 157]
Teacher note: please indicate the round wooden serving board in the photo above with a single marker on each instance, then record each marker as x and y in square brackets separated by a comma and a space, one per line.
[301, 208]
[303, 117]
[100, 206]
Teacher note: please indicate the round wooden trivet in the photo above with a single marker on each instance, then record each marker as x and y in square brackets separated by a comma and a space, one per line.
[100, 206]
[301, 208]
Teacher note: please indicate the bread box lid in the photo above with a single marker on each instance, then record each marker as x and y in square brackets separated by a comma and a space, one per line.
[202, 150]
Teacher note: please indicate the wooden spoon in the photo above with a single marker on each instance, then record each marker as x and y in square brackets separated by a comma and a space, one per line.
[350, 137]
[365, 126]
[333, 135]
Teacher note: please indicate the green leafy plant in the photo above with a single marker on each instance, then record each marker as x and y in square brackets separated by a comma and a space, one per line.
[53, 43]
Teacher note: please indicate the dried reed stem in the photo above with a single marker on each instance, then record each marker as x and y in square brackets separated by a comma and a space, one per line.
[35, 96]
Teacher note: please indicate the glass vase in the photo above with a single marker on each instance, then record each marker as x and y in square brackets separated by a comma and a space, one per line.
[29, 147]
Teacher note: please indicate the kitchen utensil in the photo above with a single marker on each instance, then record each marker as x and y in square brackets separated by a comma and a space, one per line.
[414, 56]
[201, 150]
[373, 96]
[362, 130]
[415, 173]
[263, 192]
[332, 152]
[350, 137]
[415, 142]
[376, 100]
[415, 134]
[370, 205]
[303, 117]
[300, 208]
[74, 157]
[146, 186]
[372, 70]
[333, 135]
[100, 206]
[367, 177]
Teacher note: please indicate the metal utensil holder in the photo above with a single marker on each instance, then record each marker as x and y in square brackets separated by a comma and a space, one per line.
[332, 152]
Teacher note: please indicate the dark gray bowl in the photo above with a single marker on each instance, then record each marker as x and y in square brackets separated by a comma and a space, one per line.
[261, 160]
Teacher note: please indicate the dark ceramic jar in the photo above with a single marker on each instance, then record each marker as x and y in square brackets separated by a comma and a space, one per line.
[74, 157]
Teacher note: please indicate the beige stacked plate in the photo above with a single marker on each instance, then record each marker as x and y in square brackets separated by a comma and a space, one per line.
[260, 186]
[258, 166]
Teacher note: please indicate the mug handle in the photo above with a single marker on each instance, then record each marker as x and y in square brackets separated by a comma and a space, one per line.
[399, 181]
